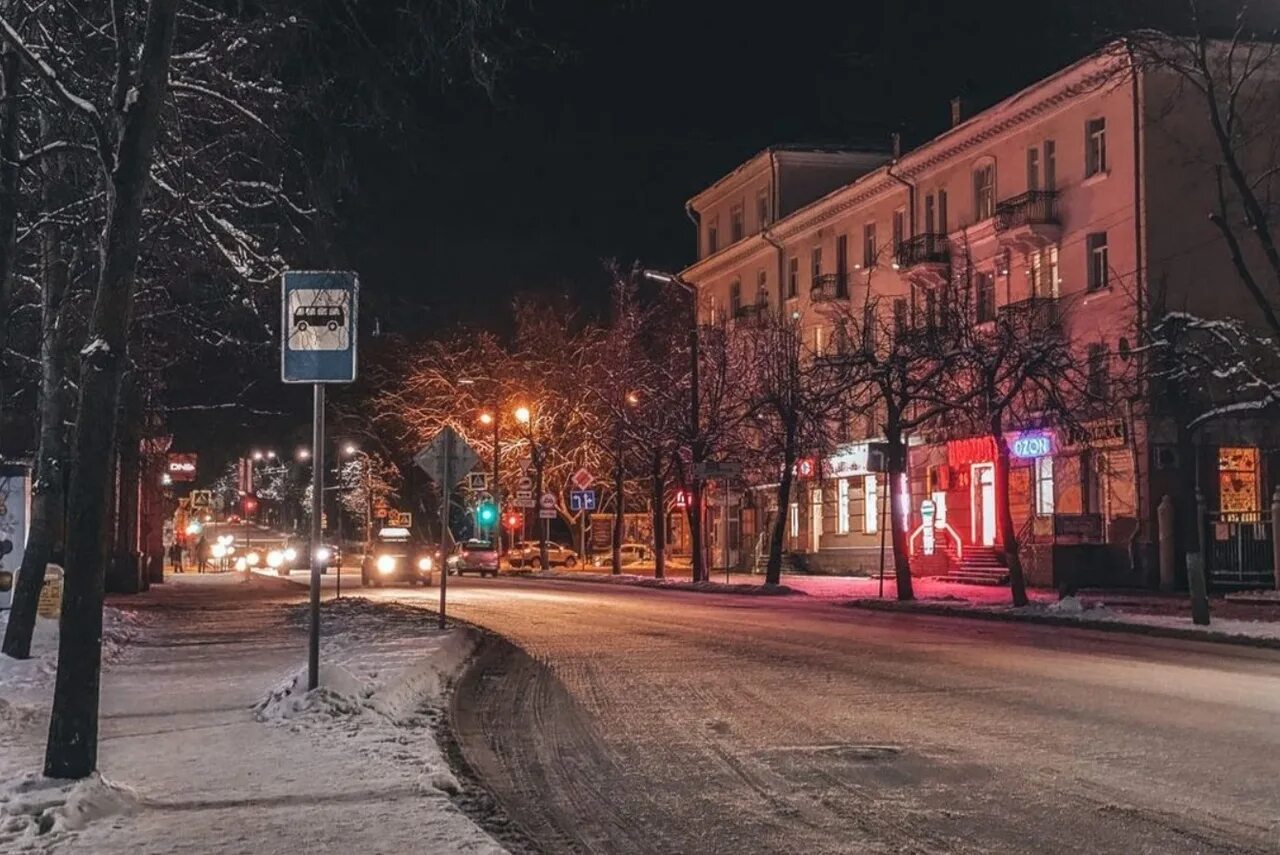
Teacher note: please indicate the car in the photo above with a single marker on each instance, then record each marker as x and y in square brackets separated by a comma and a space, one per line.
[474, 556]
[529, 552]
[294, 555]
[632, 553]
[397, 556]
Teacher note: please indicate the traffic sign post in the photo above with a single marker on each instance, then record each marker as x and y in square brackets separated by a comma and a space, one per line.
[582, 479]
[582, 500]
[447, 459]
[318, 346]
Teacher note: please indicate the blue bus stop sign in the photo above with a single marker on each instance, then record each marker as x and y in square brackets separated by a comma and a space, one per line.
[318, 326]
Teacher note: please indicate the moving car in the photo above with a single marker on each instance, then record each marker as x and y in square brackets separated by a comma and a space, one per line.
[528, 552]
[397, 556]
[294, 555]
[474, 556]
[632, 553]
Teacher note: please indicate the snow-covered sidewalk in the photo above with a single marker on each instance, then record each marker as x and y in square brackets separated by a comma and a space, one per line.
[207, 744]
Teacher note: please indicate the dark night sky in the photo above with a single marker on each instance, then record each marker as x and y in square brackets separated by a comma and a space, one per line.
[593, 157]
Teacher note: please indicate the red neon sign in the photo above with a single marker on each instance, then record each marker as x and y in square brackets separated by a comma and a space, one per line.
[976, 449]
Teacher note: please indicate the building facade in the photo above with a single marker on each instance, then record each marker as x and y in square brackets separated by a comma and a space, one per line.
[1084, 196]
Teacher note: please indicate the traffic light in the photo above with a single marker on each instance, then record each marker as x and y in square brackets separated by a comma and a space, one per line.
[249, 505]
[513, 520]
[486, 513]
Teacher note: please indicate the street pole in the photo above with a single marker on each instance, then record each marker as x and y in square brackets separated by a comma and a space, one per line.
[882, 509]
[445, 483]
[496, 533]
[317, 500]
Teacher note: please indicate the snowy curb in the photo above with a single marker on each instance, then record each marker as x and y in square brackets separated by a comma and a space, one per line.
[1067, 620]
[35, 808]
[271, 580]
[746, 589]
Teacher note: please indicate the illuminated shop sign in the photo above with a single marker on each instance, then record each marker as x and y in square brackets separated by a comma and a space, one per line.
[1025, 445]
[1032, 443]
[852, 460]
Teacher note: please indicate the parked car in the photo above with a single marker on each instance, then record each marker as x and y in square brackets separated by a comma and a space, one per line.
[529, 553]
[632, 553]
[474, 556]
[397, 556]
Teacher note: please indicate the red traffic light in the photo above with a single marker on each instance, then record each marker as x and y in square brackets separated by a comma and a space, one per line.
[249, 505]
[512, 520]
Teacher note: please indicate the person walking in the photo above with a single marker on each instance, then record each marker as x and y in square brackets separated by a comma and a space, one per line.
[202, 555]
[175, 556]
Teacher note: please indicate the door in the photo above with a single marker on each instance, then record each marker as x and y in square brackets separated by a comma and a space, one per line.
[984, 504]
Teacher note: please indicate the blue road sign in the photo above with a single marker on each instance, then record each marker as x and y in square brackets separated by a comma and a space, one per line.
[582, 500]
[318, 326]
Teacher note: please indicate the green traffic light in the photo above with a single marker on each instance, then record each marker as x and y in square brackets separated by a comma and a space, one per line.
[487, 513]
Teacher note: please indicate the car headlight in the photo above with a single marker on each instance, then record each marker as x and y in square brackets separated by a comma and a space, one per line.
[253, 558]
[424, 563]
[241, 564]
[290, 554]
[323, 555]
[219, 550]
[275, 558]
[386, 563]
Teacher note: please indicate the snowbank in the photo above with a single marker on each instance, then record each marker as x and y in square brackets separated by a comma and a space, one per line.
[119, 627]
[38, 809]
[748, 588]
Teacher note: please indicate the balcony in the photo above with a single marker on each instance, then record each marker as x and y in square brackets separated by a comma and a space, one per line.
[925, 259]
[1034, 317]
[751, 314]
[1030, 221]
[830, 286]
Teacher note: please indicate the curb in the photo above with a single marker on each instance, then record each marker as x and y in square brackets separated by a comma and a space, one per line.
[1054, 620]
[740, 590]
[270, 580]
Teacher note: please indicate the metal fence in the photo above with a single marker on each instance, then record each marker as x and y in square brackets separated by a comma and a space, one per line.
[1239, 550]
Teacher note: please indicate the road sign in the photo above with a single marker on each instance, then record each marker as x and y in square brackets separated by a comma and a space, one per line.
[432, 458]
[547, 501]
[718, 470]
[525, 463]
[582, 500]
[546, 513]
[477, 480]
[582, 478]
[399, 519]
[318, 326]
[201, 499]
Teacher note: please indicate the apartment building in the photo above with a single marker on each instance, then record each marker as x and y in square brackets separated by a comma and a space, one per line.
[1084, 195]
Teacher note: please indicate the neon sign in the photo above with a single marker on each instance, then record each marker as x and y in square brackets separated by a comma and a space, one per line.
[1032, 444]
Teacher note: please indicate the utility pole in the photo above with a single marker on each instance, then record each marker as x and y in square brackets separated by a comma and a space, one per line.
[445, 488]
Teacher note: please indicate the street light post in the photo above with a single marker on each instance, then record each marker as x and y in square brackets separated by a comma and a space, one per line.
[524, 417]
[697, 452]
[496, 532]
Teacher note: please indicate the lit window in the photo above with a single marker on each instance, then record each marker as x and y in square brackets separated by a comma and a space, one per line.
[794, 516]
[842, 506]
[815, 514]
[871, 507]
[1044, 486]
[1095, 147]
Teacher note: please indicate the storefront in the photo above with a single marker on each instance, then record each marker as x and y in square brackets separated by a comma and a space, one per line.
[837, 522]
[963, 488]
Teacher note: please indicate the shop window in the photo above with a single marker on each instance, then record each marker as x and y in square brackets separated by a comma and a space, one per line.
[1239, 491]
[1044, 486]
[871, 507]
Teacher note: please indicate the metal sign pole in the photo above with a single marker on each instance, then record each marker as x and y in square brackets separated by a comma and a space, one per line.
[882, 515]
[317, 499]
[445, 483]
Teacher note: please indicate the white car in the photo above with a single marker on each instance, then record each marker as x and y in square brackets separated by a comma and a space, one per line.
[473, 556]
[528, 553]
[632, 553]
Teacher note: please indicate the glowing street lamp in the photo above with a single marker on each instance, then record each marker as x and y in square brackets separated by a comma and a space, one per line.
[522, 415]
[303, 454]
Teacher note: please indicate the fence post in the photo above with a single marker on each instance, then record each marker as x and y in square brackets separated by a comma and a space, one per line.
[1168, 553]
[1275, 542]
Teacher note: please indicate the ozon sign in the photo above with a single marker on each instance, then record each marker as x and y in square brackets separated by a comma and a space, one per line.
[182, 467]
[1030, 444]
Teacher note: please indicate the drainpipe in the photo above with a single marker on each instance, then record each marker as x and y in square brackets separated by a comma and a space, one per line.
[911, 187]
[775, 201]
[1139, 275]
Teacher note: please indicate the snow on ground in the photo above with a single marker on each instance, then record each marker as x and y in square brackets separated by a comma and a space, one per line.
[208, 744]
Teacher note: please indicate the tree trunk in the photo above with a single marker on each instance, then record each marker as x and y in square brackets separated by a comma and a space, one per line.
[10, 85]
[695, 530]
[72, 750]
[47, 494]
[1008, 534]
[659, 519]
[619, 501]
[899, 501]
[773, 567]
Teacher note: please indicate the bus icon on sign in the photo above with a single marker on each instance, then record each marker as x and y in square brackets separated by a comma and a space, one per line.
[331, 318]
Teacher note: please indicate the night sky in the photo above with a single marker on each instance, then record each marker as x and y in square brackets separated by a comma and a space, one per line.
[593, 156]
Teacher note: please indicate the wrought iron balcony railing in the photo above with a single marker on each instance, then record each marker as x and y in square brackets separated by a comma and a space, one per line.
[923, 249]
[830, 286]
[1035, 207]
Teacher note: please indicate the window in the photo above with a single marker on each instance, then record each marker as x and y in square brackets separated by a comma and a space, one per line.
[984, 191]
[869, 245]
[1044, 486]
[871, 507]
[899, 227]
[815, 515]
[793, 517]
[815, 266]
[713, 236]
[985, 292]
[1097, 381]
[762, 209]
[930, 308]
[899, 314]
[929, 219]
[1099, 270]
[793, 277]
[942, 212]
[762, 290]
[1051, 271]
[1050, 165]
[1042, 272]
[842, 506]
[842, 266]
[735, 223]
[1095, 147]
[817, 341]
[1033, 168]
[735, 298]
[1035, 273]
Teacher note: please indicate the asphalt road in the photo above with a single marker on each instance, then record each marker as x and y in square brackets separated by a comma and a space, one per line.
[636, 721]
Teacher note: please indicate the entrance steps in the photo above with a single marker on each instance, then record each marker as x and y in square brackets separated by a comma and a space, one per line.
[979, 566]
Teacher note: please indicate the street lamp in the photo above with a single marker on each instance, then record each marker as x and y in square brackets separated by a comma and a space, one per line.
[351, 451]
[303, 454]
[696, 446]
[524, 417]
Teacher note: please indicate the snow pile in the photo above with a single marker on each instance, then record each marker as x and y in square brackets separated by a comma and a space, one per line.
[32, 806]
[338, 694]
[119, 627]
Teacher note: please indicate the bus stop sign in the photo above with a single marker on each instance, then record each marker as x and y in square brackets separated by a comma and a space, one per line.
[318, 327]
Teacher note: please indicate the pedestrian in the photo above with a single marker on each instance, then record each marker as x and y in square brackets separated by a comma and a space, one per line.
[202, 555]
[175, 556]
